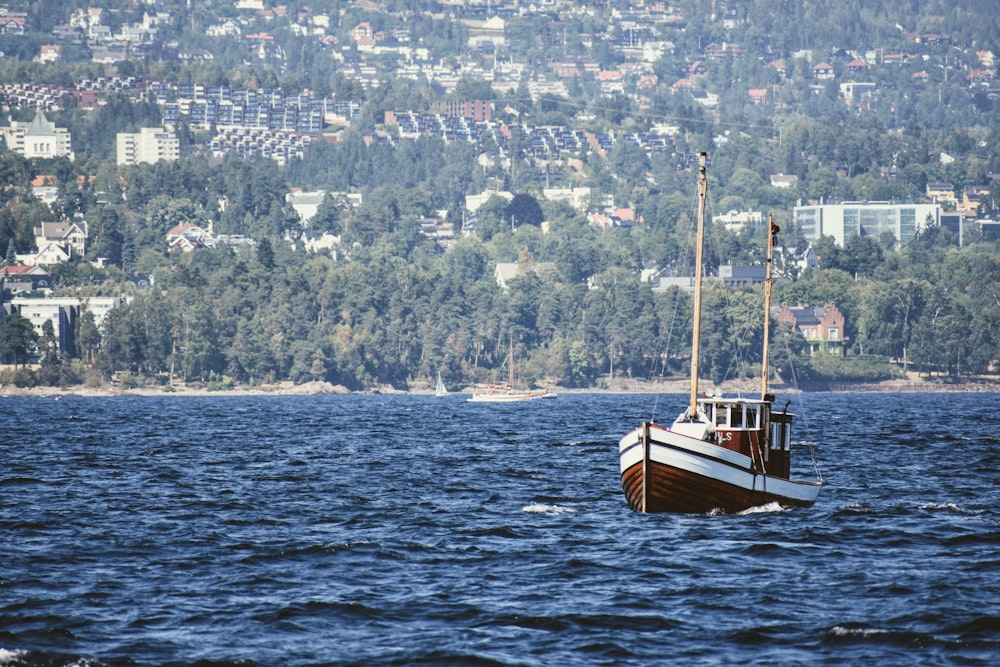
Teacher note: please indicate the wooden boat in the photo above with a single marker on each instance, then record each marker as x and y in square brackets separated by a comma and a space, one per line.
[507, 393]
[720, 454]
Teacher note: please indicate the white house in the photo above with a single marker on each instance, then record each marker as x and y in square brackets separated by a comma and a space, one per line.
[38, 139]
[504, 273]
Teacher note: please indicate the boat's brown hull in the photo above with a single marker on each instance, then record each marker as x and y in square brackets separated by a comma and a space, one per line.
[665, 471]
[672, 490]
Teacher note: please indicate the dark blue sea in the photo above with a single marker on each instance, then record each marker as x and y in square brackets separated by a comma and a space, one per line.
[413, 530]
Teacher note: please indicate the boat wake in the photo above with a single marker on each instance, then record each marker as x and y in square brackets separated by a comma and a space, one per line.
[768, 508]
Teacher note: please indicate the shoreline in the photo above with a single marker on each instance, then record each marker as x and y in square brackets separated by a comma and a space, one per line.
[619, 386]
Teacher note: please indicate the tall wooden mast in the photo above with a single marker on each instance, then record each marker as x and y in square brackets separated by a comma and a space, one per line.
[692, 411]
[772, 240]
[510, 362]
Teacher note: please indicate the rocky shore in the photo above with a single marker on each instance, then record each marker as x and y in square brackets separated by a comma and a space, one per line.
[617, 386]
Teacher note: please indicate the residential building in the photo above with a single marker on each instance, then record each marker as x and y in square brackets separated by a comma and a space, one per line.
[24, 278]
[491, 30]
[49, 53]
[100, 306]
[306, 204]
[784, 181]
[38, 139]
[149, 145]
[823, 327]
[736, 276]
[71, 236]
[504, 273]
[47, 255]
[841, 221]
[577, 197]
[758, 96]
[45, 188]
[941, 192]
[63, 313]
[186, 237]
[473, 202]
[853, 91]
[823, 71]
[737, 220]
[788, 262]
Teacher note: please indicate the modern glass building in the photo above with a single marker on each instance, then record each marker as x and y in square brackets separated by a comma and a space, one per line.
[841, 221]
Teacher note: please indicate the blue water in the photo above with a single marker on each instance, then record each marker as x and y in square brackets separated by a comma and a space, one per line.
[401, 530]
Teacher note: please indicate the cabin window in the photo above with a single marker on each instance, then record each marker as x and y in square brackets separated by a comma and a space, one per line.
[721, 414]
[781, 435]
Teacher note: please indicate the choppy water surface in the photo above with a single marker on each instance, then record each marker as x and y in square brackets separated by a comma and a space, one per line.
[399, 530]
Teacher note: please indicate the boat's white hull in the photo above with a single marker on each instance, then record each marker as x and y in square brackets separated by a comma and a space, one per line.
[508, 397]
[673, 472]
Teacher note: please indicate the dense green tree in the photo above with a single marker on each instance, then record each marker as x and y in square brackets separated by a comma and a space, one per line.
[524, 209]
[17, 338]
[88, 337]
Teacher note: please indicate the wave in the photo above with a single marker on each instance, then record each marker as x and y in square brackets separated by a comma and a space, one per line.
[768, 508]
[541, 508]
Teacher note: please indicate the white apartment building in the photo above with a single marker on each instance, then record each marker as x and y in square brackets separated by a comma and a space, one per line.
[38, 139]
[841, 221]
[149, 145]
[63, 313]
[737, 220]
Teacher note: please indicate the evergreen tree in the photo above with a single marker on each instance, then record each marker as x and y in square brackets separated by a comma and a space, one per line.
[265, 253]
[17, 338]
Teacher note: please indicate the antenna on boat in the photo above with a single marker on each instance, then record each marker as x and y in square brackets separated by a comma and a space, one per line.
[772, 240]
[692, 411]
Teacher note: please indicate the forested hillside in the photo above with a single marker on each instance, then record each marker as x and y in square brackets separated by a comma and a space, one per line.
[389, 306]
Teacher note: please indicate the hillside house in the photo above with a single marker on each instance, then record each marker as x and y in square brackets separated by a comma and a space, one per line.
[69, 236]
[823, 71]
[736, 221]
[186, 237]
[24, 278]
[784, 181]
[822, 327]
[49, 53]
[734, 276]
[857, 66]
[758, 96]
[941, 193]
[45, 188]
[47, 255]
[504, 273]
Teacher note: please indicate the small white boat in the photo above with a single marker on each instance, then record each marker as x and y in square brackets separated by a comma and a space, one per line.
[506, 393]
[440, 390]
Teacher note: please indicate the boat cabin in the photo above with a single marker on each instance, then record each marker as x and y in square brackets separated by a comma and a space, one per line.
[751, 428]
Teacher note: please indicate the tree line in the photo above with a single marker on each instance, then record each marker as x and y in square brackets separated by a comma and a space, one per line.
[397, 310]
